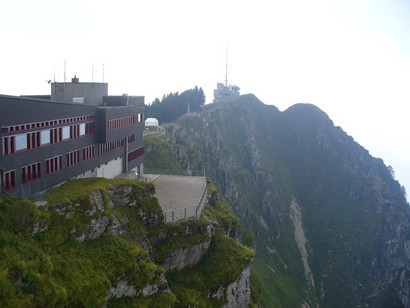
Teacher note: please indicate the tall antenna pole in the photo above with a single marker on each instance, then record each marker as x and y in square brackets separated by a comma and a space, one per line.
[53, 91]
[64, 70]
[226, 67]
[103, 70]
[92, 73]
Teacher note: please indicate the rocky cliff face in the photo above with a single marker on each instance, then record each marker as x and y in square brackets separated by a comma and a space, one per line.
[104, 242]
[185, 257]
[330, 221]
[237, 293]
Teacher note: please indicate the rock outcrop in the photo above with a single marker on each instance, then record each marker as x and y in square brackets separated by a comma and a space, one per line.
[110, 246]
[237, 293]
[186, 257]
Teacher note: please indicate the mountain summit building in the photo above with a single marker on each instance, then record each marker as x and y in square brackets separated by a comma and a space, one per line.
[78, 131]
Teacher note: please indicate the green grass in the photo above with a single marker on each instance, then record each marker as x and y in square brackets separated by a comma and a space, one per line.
[177, 236]
[160, 154]
[222, 214]
[51, 268]
[221, 266]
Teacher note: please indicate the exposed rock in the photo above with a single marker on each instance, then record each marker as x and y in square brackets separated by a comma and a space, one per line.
[237, 293]
[122, 289]
[59, 209]
[91, 212]
[301, 241]
[39, 227]
[151, 219]
[212, 198]
[42, 204]
[117, 227]
[97, 227]
[121, 195]
[79, 238]
[158, 238]
[145, 244]
[185, 257]
[97, 199]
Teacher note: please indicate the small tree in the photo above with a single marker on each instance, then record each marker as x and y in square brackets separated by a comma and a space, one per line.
[391, 171]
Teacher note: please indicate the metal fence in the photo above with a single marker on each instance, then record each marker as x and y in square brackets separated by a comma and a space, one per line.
[187, 213]
[159, 131]
[186, 172]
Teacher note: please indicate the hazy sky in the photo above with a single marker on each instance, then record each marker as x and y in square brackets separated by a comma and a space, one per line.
[351, 58]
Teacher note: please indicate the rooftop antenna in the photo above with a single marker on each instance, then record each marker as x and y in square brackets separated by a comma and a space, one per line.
[92, 73]
[226, 67]
[64, 71]
[103, 70]
[54, 83]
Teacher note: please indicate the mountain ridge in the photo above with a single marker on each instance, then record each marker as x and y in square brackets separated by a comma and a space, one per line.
[352, 209]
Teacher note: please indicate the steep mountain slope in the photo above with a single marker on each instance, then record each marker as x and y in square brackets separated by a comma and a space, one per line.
[331, 223]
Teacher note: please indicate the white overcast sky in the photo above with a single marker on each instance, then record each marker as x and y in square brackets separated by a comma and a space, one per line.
[351, 58]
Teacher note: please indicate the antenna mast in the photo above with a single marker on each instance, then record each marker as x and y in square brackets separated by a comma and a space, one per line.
[226, 66]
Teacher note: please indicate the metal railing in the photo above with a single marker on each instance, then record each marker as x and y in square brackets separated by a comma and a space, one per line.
[159, 131]
[186, 213]
[185, 172]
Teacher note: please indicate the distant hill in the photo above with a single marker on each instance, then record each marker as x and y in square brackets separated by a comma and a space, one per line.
[331, 223]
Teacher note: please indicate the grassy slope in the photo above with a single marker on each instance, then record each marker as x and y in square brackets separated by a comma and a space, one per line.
[276, 277]
[53, 269]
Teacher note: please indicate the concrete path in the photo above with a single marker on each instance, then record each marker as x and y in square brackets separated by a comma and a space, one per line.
[176, 192]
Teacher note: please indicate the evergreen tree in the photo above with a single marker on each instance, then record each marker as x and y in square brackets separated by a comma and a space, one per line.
[174, 105]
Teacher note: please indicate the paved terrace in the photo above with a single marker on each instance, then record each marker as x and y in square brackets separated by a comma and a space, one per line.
[180, 197]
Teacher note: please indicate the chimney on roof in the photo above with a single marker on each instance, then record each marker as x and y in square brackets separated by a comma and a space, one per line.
[75, 79]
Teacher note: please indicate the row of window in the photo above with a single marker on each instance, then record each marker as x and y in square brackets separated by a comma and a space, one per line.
[106, 147]
[30, 172]
[54, 164]
[88, 152]
[9, 180]
[135, 154]
[33, 172]
[73, 158]
[22, 142]
[125, 121]
[121, 122]
[27, 126]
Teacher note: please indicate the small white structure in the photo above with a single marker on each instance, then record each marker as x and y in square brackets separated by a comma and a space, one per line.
[151, 122]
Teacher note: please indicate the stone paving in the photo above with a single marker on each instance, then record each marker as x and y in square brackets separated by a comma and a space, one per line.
[176, 192]
[177, 195]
